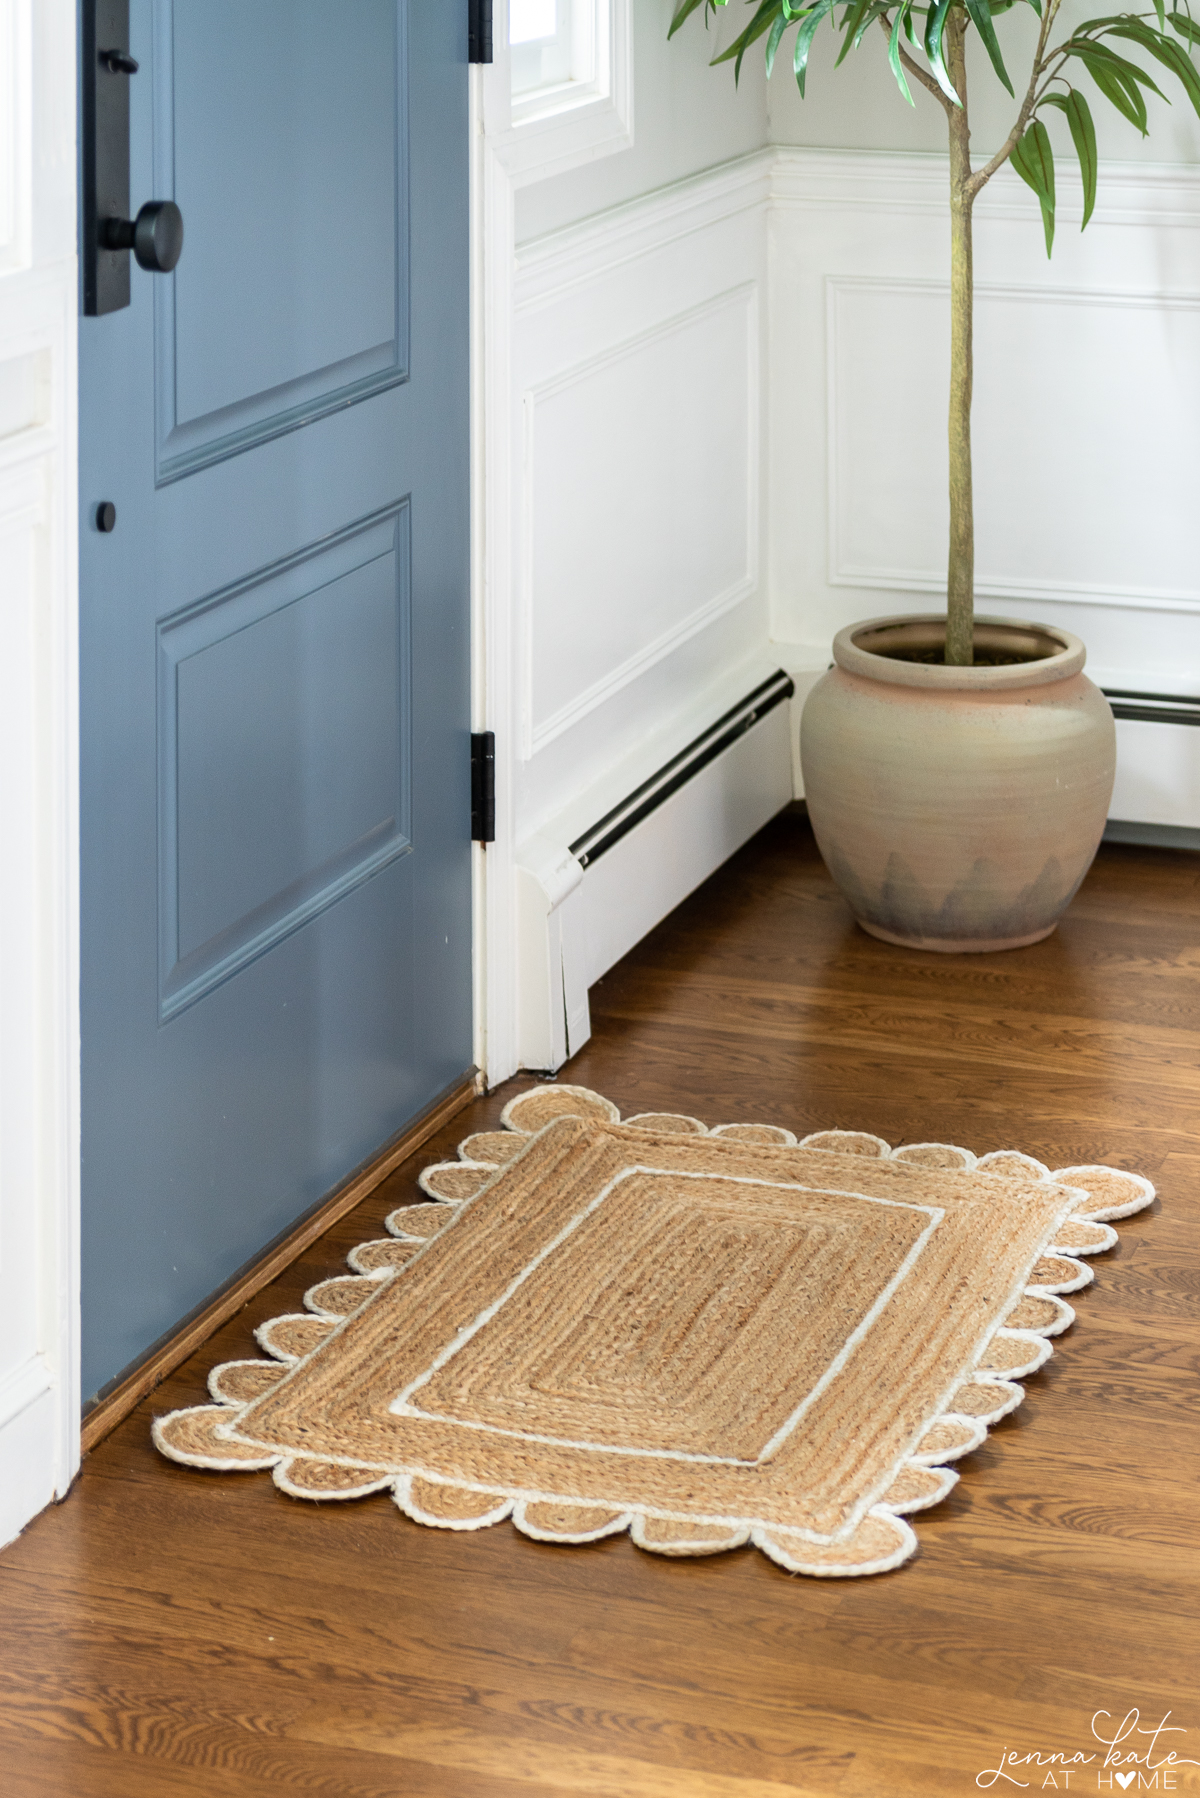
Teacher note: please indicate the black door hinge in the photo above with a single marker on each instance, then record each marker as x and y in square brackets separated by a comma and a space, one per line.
[483, 786]
[479, 31]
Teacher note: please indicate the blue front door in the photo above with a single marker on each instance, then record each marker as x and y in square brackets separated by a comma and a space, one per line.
[274, 640]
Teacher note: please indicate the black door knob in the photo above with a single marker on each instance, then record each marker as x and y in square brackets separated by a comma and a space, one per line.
[155, 236]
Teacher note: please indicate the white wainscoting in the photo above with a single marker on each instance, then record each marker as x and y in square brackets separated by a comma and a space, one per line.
[736, 388]
[1086, 418]
[39, 1142]
[632, 480]
[638, 467]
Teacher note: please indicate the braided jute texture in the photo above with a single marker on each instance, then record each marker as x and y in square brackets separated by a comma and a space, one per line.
[706, 1337]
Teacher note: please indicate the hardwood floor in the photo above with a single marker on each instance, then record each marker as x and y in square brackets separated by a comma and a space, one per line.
[173, 1632]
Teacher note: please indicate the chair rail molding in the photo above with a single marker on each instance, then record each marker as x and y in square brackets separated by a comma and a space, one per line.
[39, 929]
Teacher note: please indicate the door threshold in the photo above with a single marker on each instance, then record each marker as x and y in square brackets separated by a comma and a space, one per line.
[112, 1407]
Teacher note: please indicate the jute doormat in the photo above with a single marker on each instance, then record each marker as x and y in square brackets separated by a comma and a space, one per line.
[705, 1337]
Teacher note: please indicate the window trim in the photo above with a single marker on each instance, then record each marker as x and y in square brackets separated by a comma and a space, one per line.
[554, 129]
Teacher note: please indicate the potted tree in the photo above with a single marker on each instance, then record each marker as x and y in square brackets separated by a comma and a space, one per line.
[959, 769]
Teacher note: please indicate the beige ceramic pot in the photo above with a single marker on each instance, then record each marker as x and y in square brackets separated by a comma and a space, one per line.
[957, 808]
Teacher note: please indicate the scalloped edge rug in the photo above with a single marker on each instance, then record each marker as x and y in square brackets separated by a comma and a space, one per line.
[705, 1337]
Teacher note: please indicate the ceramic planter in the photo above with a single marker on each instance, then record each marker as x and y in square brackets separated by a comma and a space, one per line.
[957, 809]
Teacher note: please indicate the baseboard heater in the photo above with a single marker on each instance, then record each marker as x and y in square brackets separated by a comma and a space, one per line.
[1152, 708]
[683, 767]
[1156, 800]
[585, 903]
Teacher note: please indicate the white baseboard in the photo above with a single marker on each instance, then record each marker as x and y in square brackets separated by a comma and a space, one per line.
[577, 920]
[29, 1407]
[1158, 774]
[633, 886]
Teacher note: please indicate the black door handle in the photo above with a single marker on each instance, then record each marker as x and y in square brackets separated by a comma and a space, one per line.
[155, 236]
[107, 232]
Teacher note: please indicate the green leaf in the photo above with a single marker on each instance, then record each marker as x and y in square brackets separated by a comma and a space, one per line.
[981, 18]
[1033, 160]
[1083, 134]
[853, 17]
[935, 26]
[759, 23]
[1186, 26]
[894, 54]
[1126, 70]
[1125, 95]
[804, 38]
[877, 10]
[777, 30]
[684, 11]
[1168, 53]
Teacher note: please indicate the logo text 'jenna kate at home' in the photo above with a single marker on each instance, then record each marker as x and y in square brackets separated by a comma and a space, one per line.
[1132, 1758]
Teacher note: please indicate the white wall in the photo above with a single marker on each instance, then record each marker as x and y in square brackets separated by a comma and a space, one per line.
[39, 1396]
[859, 107]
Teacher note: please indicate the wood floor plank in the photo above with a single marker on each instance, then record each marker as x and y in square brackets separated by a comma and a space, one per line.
[167, 1631]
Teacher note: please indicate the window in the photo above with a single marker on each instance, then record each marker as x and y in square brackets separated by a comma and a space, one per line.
[562, 90]
[553, 56]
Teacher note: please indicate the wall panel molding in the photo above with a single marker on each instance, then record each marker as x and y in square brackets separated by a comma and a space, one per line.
[659, 522]
[647, 350]
[1086, 421]
[845, 570]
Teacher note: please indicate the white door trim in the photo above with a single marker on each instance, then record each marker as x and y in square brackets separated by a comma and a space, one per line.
[39, 888]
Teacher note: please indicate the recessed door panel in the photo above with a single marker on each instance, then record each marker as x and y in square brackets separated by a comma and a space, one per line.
[284, 751]
[282, 135]
[275, 769]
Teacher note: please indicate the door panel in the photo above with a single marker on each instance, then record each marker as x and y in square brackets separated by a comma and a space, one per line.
[284, 758]
[287, 145]
[274, 674]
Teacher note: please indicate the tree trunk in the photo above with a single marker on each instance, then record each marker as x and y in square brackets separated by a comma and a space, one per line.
[960, 583]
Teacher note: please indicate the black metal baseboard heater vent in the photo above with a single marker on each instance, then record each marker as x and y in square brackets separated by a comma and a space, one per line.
[1152, 708]
[682, 767]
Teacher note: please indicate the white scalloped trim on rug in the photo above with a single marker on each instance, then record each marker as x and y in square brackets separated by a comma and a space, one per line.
[876, 1541]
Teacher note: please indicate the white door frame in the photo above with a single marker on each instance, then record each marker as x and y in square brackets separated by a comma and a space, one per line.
[39, 887]
[505, 156]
